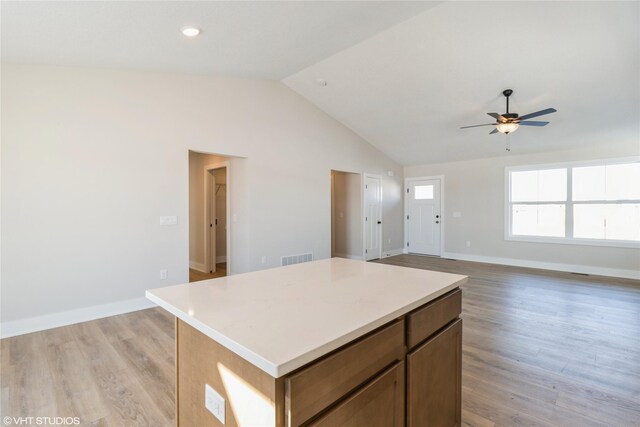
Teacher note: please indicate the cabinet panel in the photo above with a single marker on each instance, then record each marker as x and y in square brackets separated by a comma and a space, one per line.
[434, 384]
[380, 403]
[319, 385]
[426, 320]
[256, 398]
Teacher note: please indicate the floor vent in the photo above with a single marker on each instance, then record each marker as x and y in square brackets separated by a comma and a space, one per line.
[296, 259]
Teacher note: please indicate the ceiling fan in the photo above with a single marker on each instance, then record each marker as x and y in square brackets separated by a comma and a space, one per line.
[509, 122]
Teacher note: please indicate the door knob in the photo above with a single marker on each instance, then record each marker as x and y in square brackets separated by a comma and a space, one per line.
[379, 222]
[437, 216]
[437, 222]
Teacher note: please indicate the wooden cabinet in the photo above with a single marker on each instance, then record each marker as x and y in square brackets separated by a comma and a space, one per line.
[407, 372]
[380, 403]
[317, 386]
[434, 384]
[428, 319]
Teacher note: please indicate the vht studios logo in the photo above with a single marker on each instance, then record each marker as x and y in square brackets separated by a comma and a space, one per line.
[41, 421]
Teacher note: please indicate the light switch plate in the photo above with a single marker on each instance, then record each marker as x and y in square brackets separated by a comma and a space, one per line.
[214, 403]
[168, 220]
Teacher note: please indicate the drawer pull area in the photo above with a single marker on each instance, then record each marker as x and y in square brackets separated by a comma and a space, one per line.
[317, 386]
[427, 320]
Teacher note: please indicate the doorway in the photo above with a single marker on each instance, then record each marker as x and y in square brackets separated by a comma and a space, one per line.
[346, 215]
[209, 207]
[423, 207]
[372, 202]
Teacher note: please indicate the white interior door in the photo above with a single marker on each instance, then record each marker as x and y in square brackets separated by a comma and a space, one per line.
[372, 217]
[424, 221]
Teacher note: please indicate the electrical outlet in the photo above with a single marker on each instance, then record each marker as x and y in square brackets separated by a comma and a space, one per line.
[214, 403]
[468, 244]
[263, 259]
[163, 274]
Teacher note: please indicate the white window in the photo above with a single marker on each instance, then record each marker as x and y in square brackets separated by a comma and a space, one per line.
[423, 192]
[596, 203]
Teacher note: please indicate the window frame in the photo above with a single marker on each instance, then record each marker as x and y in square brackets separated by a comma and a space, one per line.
[569, 204]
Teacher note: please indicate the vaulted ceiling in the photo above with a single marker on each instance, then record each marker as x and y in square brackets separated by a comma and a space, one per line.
[258, 39]
[403, 75]
[408, 89]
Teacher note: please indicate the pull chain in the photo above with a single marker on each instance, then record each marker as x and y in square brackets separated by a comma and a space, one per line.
[508, 142]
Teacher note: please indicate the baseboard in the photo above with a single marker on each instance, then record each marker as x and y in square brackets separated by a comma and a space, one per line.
[393, 252]
[571, 268]
[220, 259]
[63, 318]
[197, 266]
[347, 256]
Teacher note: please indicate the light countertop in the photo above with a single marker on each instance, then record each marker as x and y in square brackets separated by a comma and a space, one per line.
[283, 318]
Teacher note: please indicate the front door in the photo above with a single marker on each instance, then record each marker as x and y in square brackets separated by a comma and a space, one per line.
[424, 221]
[372, 217]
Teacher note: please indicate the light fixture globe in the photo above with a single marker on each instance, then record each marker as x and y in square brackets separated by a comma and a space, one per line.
[507, 127]
[190, 31]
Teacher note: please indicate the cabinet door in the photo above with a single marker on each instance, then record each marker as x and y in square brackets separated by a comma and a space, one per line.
[380, 403]
[434, 380]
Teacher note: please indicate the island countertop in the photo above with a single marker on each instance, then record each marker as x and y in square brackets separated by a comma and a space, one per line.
[283, 318]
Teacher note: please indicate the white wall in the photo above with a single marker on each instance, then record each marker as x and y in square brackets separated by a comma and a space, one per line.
[92, 157]
[347, 215]
[476, 188]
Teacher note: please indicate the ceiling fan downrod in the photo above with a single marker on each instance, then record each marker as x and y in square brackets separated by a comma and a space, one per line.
[507, 93]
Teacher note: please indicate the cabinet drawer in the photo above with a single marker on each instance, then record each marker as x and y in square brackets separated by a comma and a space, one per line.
[426, 320]
[380, 403]
[317, 386]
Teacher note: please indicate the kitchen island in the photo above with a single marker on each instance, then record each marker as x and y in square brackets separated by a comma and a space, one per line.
[330, 342]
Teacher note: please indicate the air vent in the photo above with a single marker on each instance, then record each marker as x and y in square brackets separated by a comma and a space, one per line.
[296, 259]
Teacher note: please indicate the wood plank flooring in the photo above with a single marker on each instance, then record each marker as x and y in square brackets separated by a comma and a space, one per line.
[544, 348]
[540, 348]
[196, 276]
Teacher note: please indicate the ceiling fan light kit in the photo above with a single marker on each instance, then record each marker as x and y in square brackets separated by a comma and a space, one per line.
[507, 127]
[510, 122]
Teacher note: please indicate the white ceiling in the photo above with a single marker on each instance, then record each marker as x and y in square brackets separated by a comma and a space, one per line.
[248, 39]
[403, 75]
[408, 89]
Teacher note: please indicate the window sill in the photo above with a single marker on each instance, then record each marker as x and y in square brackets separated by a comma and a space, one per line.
[574, 241]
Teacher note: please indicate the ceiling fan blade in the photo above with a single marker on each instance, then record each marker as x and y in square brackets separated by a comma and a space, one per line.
[495, 116]
[537, 113]
[494, 131]
[533, 123]
[475, 126]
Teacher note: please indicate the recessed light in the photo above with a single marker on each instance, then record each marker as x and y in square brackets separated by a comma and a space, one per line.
[190, 31]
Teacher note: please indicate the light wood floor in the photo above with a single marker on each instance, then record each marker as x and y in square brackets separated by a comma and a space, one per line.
[196, 276]
[539, 349]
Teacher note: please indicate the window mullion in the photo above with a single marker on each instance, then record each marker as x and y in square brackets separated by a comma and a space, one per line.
[568, 220]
